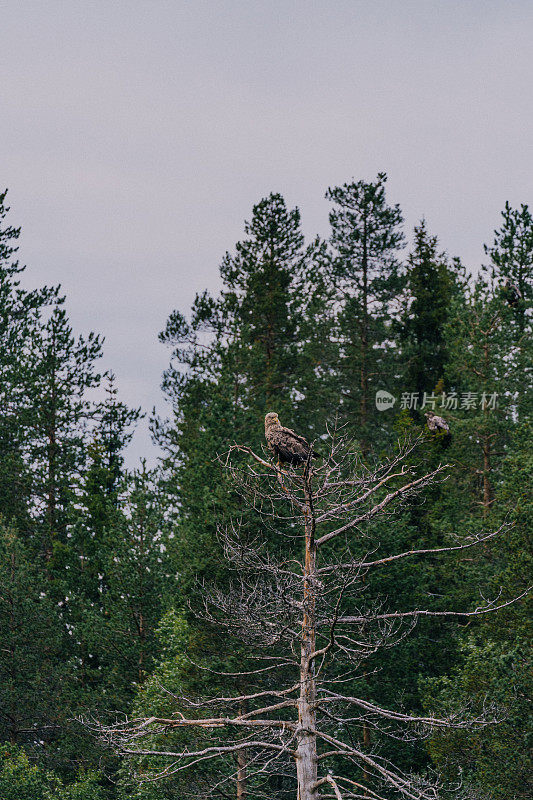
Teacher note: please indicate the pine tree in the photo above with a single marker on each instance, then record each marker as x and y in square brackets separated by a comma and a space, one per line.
[490, 356]
[34, 674]
[510, 275]
[258, 280]
[511, 257]
[116, 612]
[432, 281]
[84, 582]
[495, 656]
[20, 779]
[100, 487]
[20, 321]
[61, 417]
[366, 237]
[489, 408]
[241, 355]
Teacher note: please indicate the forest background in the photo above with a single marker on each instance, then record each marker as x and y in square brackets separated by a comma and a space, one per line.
[100, 566]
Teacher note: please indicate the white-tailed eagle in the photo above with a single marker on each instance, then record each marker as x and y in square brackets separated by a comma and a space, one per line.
[289, 447]
[439, 427]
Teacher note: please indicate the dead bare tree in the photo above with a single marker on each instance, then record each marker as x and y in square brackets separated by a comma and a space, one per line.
[309, 628]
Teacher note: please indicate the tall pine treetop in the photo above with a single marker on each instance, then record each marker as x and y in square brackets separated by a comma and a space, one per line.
[365, 231]
[366, 236]
[511, 265]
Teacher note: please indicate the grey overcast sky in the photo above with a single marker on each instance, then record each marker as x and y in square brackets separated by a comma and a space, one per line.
[136, 136]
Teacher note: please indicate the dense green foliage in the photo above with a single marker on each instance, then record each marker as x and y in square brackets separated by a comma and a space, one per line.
[99, 566]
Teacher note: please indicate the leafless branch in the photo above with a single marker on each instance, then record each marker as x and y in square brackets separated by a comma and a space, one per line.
[310, 625]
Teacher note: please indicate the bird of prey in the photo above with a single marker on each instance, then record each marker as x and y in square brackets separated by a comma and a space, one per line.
[511, 293]
[289, 447]
[439, 427]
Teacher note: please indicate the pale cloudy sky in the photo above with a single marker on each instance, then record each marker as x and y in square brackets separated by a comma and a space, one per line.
[136, 136]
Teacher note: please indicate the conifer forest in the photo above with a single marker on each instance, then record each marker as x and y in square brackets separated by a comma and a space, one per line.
[229, 625]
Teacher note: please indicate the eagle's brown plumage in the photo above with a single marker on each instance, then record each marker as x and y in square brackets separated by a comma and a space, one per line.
[439, 426]
[511, 293]
[287, 445]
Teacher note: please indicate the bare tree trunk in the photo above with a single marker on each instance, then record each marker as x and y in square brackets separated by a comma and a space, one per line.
[241, 775]
[367, 742]
[306, 753]
[366, 729]
[241, 764]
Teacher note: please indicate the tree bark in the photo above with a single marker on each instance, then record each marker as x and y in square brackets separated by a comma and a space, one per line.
[241, 775]
[241, 764]
[306, 753]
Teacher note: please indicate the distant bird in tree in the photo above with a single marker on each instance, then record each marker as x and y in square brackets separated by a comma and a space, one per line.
[511, 293]
[285, 444]
[439, 427]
